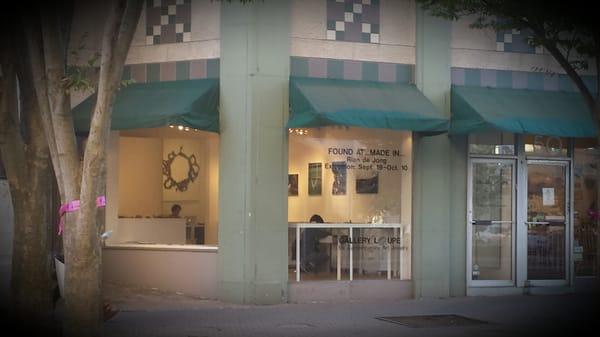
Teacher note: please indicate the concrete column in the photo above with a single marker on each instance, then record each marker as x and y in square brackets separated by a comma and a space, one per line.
[255, 52]
[439, 180]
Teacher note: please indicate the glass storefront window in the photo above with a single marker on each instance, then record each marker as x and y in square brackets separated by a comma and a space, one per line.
[492, 226]
[167, 185]
[359, 182]
[546, 146]
[492, 143]
[585, 175]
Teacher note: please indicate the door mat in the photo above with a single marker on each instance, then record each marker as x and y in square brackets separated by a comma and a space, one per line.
[432, 321]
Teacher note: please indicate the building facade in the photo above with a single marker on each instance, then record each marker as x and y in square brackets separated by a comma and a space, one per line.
[371, 114]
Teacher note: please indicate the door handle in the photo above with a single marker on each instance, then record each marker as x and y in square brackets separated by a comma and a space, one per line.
[537, 222]
[489, 222]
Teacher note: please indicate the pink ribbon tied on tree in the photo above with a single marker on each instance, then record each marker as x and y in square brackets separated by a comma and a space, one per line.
[73, 206]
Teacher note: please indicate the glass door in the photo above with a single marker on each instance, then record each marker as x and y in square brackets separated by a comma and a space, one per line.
[547, 222]
[491, 219]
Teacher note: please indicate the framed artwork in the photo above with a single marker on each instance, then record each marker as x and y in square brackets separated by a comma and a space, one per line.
[338, 169]
[314, 178]
[181, 179]
[293, 185]
[368, 185]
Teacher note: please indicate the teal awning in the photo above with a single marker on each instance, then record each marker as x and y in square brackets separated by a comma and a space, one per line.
[319, 102]
[550, 113]
[191, 103]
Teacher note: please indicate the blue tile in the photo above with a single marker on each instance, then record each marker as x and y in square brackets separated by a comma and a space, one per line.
[339, 36]
[335, 69]
[535, 81]
[500, 35]
[212, 68]
[126, 73]
[366, 37]
[404, 73]
[473, 77]
[458, 76]
[520, 80]
[565, 83]
[349, 6]
[375, 28]
[370, 71]
[299, 66]
[551, 82]
[520, 45]
[153, 72]
[591, 83]
[488, 78]
[331, 24]
[504, 79]
[182, 70]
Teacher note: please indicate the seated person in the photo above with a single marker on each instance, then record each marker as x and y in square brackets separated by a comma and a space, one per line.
[312, 258]
[175, 210]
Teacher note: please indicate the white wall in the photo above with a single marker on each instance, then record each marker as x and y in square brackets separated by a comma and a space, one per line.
[140, 177]
[397, 38]
[135, 178]
[394, 186]
[476, 48]
[189, 272]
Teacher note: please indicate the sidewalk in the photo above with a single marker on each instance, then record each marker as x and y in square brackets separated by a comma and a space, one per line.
[154, 313]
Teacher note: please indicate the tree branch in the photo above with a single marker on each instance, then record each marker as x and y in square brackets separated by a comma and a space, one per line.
[34, 52]
[60, 106]
[12, 145]
[566, 65]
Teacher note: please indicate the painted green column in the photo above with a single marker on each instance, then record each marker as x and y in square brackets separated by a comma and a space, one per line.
[439, 190]
[254, 74]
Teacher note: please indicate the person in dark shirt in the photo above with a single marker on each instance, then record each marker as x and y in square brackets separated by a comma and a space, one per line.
[312, 256]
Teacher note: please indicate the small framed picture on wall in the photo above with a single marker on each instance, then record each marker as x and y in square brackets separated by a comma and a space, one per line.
[315, 174]
[292, 185]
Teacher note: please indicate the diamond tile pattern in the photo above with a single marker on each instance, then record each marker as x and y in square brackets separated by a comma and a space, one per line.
[515, 41]
[168, 21]
[353, 20]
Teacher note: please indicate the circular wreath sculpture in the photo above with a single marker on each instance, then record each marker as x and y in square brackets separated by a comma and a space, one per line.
[193, 170]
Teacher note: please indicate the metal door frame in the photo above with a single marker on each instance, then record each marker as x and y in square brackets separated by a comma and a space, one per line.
[490, 283]
[522, 229]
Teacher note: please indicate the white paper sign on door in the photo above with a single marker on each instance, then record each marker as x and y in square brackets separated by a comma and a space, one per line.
[548, 196]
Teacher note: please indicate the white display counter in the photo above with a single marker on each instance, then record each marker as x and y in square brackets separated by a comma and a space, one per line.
[150, 231]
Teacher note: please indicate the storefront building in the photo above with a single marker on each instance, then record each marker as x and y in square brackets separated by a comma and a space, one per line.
[437, 161]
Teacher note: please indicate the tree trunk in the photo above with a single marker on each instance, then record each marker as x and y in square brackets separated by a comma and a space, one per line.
[84, 266]
[596, 112]
[30, 177]
[32, 283]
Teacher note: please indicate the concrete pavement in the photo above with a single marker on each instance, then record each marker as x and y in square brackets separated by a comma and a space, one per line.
[154, 313]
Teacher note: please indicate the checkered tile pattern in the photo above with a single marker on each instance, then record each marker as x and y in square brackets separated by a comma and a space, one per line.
[516, 41]
[168, 21]
[492, 78]
[353, 20]
[172, 71]
[351, 70]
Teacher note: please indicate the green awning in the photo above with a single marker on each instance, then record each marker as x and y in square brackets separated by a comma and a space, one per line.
[550, 113]
[318, 102]
[191, 103]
